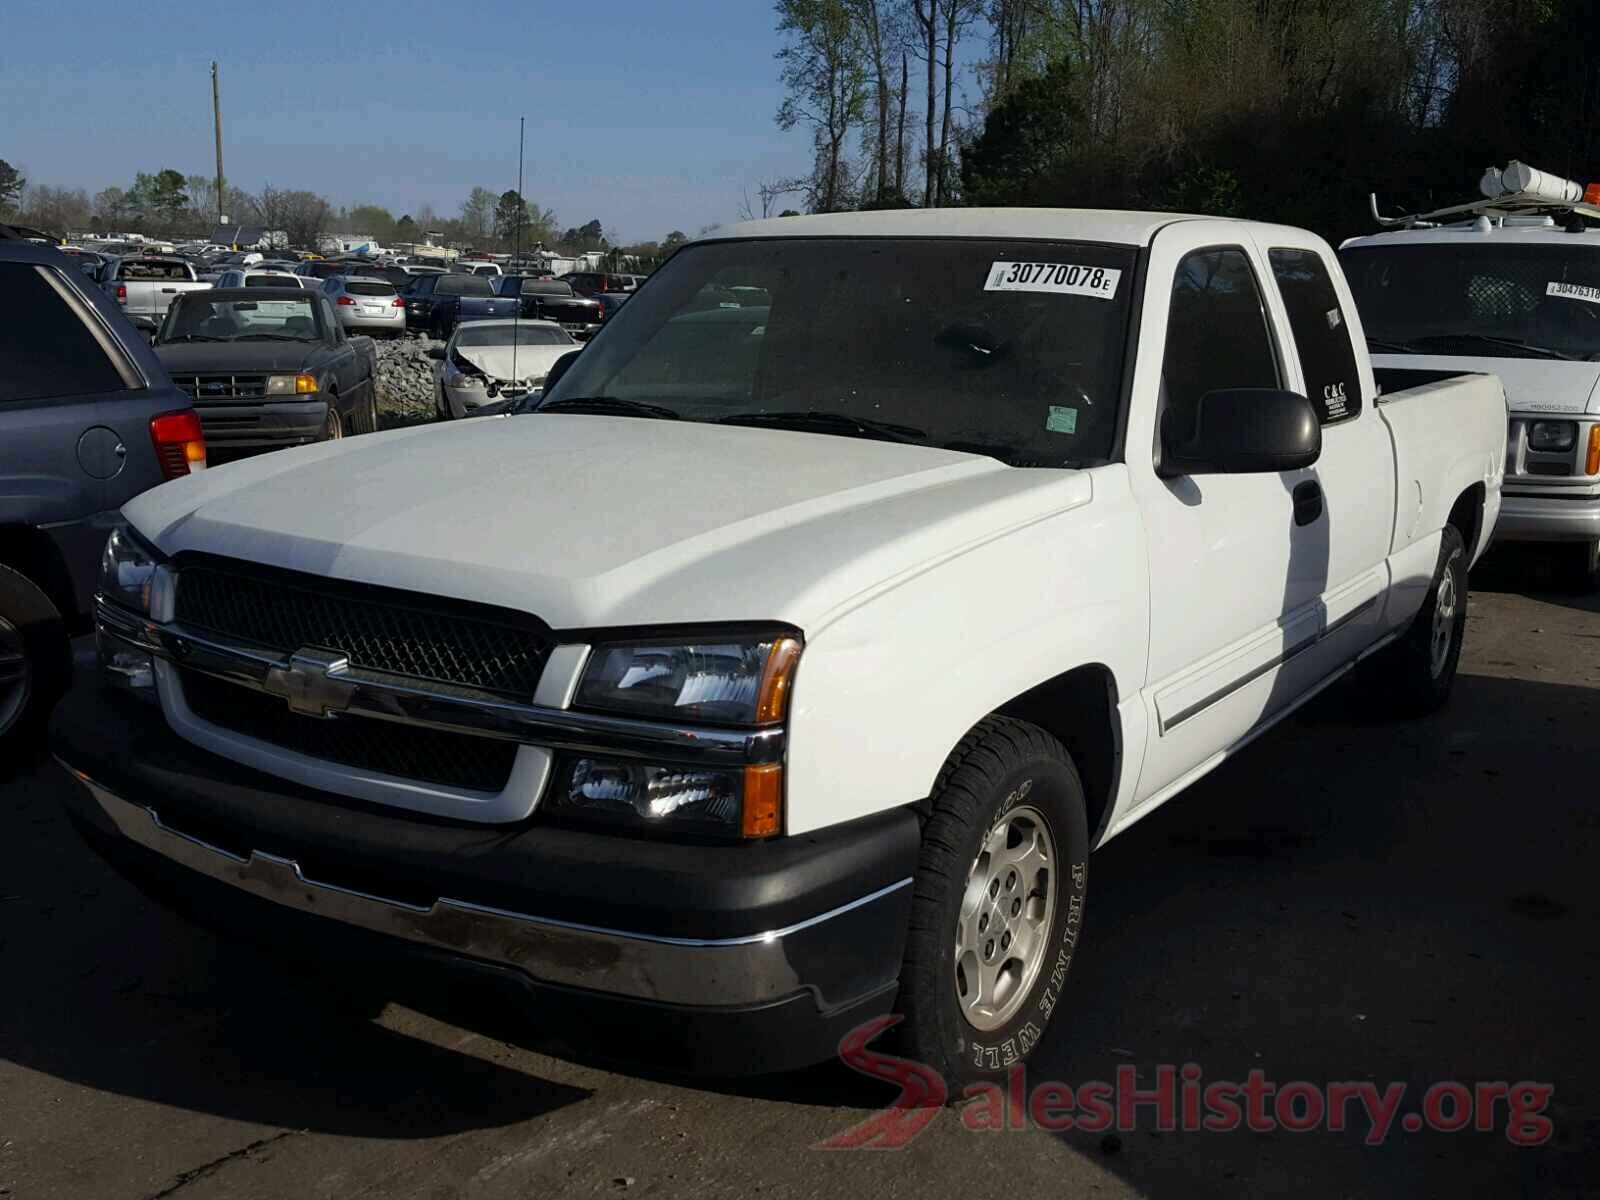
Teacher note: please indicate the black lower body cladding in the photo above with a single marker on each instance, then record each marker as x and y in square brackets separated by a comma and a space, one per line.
[717, 958]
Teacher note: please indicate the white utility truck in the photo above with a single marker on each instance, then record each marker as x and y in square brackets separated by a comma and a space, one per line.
[781, 668]
[1508, 283]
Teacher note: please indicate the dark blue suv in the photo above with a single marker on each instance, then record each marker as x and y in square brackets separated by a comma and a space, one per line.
[88, 420]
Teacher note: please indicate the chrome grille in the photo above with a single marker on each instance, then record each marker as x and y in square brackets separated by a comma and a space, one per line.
[410, 751]
[205, 389]
[379, 629]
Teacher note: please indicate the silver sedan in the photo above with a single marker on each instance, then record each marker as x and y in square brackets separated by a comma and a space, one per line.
[366, 304]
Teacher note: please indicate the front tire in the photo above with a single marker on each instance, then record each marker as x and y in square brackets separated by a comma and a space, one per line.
[998, 903]
[333, 424]
[1582, 565]
[1414, 674]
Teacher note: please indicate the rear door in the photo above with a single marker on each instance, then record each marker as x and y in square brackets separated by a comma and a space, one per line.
[75, 408]
[1354, 479]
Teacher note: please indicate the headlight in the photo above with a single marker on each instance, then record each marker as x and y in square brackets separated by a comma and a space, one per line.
[291, 385]
[128, 571]
[1552, 436]
[127, 578]
[732, 681]
[726, 802]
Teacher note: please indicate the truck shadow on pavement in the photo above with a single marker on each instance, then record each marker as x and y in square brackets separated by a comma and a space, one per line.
[108, 990]
[1346, 900]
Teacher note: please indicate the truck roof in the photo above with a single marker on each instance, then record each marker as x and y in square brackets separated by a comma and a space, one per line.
[1478, 231]
[1111, 226]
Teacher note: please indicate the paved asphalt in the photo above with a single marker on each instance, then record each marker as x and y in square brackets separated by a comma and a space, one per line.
[1347, 900]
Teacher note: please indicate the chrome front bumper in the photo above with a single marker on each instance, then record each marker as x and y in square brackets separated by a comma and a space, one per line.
[826, 955]
[1550, 518]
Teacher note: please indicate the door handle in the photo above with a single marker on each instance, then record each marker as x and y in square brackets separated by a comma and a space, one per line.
[1307, 502]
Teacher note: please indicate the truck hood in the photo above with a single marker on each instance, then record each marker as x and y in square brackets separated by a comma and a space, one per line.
[185, 358]
[1533, 385]
[606, 521]
[496, 362]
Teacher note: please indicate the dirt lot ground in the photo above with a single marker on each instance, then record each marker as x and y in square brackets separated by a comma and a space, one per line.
[1347, 900]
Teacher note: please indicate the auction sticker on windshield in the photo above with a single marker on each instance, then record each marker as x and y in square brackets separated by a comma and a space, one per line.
[1061, 279]
[1574, 291]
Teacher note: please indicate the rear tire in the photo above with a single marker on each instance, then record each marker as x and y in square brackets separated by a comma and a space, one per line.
[35, 666]
[998, 903]
[1413, 675]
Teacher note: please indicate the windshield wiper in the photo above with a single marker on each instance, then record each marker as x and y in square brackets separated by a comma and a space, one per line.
[609, 406]
[1489, 339]
[194, 337]
[828, 422]
[1384, 345]
[269, 337]
[1010, 455]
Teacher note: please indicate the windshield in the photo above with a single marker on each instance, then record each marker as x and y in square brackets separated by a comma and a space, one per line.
[462, 285]
[195, 317]
[477, 333]
[1480, 300]
[1005, 348]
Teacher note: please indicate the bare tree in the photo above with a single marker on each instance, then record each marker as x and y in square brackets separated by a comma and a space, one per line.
[900, 136]
[826, 87]
[768, 193]
[959, 16]
[928, 31]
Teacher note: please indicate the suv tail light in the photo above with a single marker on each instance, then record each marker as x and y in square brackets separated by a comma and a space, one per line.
[180, 444]
[122, 293]
[346, 300]
[399, 302]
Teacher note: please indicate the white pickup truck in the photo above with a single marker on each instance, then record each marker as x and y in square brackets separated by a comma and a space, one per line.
[781, 670]
[145, 286]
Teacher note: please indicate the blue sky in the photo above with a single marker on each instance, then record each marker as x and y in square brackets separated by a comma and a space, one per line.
[651, 115]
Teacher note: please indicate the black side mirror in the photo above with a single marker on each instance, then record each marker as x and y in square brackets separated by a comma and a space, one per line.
[436, 352]
[1239, 431]
[559, 368]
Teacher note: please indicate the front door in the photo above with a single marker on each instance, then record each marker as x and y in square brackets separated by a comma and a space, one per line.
[1236, 567]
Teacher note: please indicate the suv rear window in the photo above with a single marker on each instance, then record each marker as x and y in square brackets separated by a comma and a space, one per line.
[368, 287]
[251, 281]
[45, 349]
[462, 285]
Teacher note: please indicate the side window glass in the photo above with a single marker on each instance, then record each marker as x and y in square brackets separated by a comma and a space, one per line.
[1320, 333]
[45, 348]
[1217, 332]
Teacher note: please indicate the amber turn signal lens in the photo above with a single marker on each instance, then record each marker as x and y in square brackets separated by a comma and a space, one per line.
[1591, 465]
[763, 801]
[772, 698]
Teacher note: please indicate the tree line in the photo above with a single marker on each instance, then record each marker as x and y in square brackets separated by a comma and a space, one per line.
[168, 203]
[1289, 110]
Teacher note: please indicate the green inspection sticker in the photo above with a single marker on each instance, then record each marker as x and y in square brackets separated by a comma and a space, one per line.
[1062, 420]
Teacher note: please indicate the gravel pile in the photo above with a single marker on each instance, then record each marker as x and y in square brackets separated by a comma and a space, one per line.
[407, 387]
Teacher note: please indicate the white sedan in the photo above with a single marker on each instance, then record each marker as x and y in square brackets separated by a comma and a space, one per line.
[487, 363]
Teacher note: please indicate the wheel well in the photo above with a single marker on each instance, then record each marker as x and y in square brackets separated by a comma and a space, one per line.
[1467, 516]
[1079, 709]
[30, 552]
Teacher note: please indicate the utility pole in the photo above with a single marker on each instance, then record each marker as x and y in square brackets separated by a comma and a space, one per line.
[216, 113]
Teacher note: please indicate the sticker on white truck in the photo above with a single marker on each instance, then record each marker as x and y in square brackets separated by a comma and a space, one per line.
[1574, 291]
[1061, 279]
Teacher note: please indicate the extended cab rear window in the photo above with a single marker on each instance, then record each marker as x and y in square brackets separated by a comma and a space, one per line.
[1321, 333]
[152, 270]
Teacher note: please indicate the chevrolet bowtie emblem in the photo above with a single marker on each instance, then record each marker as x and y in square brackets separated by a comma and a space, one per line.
[313, 683]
